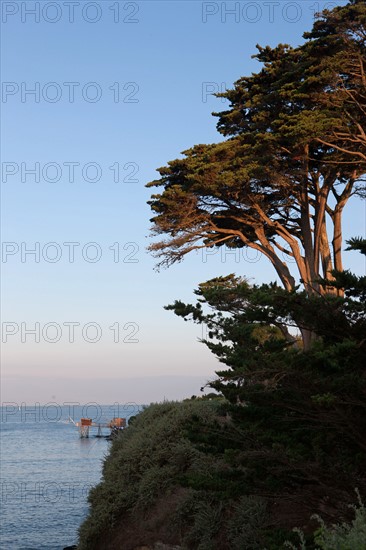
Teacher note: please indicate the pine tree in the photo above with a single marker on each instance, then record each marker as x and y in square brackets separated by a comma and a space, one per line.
[292, 157]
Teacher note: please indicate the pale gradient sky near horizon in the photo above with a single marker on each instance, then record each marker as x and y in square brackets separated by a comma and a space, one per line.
[126, 91]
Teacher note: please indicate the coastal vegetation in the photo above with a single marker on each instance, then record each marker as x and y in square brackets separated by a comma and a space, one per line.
[281, 436]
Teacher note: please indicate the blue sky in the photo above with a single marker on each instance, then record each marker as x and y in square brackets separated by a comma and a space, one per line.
[139, 86]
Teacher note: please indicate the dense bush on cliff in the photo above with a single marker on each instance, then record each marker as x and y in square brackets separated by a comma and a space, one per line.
[159, 487]
[145, 495]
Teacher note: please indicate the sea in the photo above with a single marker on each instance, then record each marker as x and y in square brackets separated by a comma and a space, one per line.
[47, 470]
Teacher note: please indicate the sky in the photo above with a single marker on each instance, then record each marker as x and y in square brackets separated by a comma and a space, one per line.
[95, 97]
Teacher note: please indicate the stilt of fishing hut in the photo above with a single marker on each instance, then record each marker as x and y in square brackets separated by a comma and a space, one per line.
[84, 426]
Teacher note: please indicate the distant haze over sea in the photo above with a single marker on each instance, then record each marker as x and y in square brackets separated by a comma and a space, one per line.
[104, 390]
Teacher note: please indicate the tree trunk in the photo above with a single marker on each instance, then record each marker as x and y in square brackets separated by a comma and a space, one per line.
[337, 238]
[308, 338]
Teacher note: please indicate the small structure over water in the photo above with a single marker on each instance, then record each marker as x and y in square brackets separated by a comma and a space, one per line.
[114, 426]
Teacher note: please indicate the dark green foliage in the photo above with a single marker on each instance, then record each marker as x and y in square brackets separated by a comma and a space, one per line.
[299, 417]
[248, 519]
[313, 93]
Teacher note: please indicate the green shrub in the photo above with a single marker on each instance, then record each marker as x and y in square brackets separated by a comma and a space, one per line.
[146, 462]
[341, 536]
[246, 523]
[203, 514]
[344, 536]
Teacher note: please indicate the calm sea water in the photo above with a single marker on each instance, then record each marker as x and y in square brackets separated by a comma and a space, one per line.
[46, 473]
